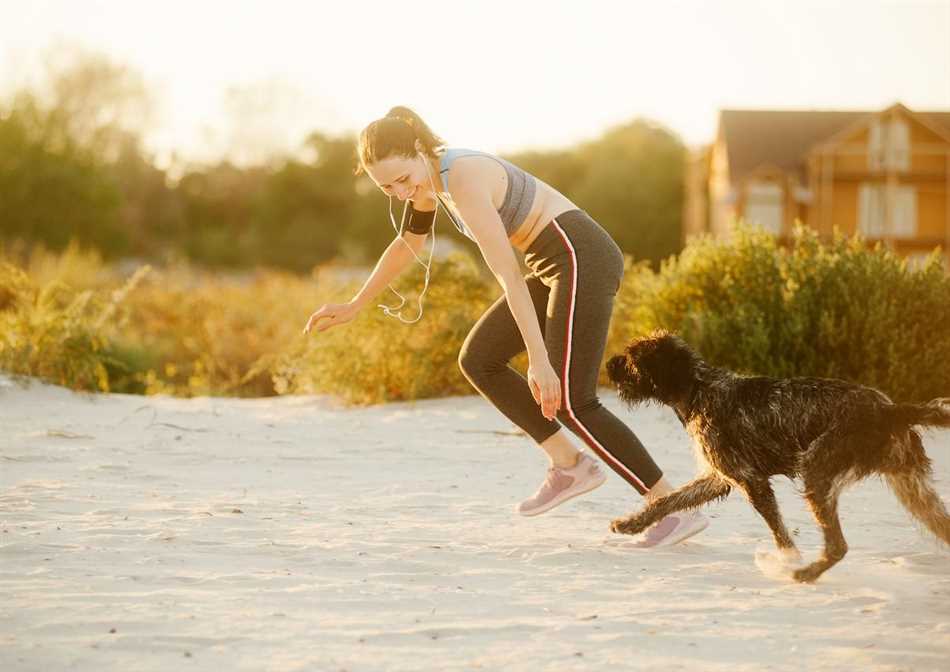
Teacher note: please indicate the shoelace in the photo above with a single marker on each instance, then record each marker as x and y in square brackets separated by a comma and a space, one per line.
[551, 475]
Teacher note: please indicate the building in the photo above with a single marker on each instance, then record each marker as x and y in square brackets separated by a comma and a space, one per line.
[884, 174]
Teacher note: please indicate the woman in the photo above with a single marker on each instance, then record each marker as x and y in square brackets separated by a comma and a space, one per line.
[559, 312]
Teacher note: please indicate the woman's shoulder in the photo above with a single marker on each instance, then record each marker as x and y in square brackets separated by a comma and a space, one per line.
[474, 162]
[448, 155]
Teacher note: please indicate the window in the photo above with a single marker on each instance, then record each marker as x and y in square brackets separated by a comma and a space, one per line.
[889, 144]
[872, 211]
[765, 206]
[897, 155]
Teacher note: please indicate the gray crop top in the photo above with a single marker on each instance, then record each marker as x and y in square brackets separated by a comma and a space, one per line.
[519, 196]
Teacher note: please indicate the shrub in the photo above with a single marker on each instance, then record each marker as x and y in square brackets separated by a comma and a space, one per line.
[834, 309]
[375, 358]
[194, 333]
[55, 332]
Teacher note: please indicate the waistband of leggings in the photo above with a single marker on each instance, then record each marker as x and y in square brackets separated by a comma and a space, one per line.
[550, 234]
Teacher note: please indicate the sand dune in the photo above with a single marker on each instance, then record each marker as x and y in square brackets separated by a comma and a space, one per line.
[292, 534]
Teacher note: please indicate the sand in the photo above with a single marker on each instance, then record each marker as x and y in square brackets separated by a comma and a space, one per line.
[154, 533]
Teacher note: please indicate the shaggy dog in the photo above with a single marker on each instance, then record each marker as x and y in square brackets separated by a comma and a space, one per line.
[829, 433]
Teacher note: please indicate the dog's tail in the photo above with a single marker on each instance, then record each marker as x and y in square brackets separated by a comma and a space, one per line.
[915, 491]
[934, 413]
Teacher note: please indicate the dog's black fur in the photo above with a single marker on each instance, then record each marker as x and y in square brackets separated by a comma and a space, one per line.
[829, 433]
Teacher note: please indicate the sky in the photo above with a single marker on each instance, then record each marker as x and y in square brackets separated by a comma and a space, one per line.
[495, 75]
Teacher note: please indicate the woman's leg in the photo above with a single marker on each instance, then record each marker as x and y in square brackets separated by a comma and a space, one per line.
[484, 359]
[495, 340]
[583, 285]
[561, 449]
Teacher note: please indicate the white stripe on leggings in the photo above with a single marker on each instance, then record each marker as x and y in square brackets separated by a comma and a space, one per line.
[565, 388]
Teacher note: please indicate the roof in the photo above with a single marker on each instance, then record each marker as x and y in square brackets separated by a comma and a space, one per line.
[782, 138]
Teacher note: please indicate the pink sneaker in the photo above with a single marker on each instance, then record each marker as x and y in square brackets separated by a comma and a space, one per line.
[673, 529]
[562, 484]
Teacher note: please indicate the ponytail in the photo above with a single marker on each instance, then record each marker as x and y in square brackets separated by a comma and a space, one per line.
[396, 133]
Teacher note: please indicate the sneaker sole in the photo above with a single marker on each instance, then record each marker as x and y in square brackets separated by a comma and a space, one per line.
[683, 535]
[563, 498]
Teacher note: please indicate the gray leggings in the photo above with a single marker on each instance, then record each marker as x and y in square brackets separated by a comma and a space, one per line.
[576, 269]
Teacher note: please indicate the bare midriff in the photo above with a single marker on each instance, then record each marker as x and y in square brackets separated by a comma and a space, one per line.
[548, 204]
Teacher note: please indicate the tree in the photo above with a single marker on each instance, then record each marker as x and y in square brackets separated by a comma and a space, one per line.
[53, 194]
[59, 148]
[634, 187]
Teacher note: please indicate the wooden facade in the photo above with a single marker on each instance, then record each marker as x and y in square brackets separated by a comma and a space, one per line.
[883, 174]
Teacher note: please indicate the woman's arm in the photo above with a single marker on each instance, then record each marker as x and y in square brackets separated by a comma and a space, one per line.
[390, 265]
[489, 232]
[393, 261]
[486, 226]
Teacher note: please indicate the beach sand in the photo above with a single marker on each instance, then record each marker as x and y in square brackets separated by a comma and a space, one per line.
[154, 533]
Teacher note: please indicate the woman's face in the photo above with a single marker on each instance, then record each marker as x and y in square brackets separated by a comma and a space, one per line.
[402, 177]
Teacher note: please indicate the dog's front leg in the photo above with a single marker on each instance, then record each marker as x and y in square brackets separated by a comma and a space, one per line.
[693, 494]
[762, 498]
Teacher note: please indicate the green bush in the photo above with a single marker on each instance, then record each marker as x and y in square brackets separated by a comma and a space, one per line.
[376, 358]
[195, 333]
[834, 309]
[58, 333]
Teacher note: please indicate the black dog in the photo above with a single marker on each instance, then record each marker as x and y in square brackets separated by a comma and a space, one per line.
[829, 433]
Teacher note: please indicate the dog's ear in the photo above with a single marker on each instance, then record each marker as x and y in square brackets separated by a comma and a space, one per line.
[670, 365]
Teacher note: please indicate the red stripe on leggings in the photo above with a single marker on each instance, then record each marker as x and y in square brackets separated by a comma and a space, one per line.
[595, 445]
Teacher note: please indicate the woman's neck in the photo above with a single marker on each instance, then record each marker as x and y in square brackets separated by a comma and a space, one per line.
[433, 165]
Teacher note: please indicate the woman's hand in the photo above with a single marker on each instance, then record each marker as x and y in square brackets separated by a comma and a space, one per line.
[332, 314]
[545, 387]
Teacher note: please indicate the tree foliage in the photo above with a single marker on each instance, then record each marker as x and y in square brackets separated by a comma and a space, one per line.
[73, 167]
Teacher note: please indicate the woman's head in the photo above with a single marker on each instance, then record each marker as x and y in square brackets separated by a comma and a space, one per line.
[389, 152]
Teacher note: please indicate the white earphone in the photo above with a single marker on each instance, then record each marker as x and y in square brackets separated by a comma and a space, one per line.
[395, 311]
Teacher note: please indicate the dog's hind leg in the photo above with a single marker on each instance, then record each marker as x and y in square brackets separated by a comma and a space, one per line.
[762, 497]
[693, 494]
[822, 498]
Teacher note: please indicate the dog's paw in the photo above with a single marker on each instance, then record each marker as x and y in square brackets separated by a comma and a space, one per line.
[626, 526]
[778, 564]
[808, 574]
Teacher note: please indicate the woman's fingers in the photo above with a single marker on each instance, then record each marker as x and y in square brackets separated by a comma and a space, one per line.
[310, 323]
[535, 392]
[548, 401]
[551, 401]
[323, 312]
[332, 314]
[546, 392]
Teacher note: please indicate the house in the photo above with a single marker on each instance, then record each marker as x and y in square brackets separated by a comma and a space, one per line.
[884, 174]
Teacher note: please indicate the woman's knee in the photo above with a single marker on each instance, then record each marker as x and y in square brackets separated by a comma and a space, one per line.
[473, 364]
[468, 363]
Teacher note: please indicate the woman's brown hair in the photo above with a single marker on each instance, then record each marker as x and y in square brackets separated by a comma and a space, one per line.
[396, 133]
